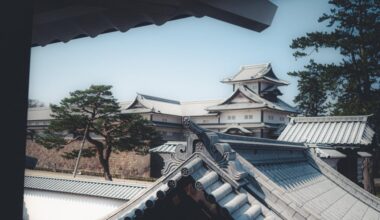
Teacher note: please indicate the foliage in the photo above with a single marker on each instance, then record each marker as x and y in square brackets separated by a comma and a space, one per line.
[313, 99]
[109, 130]
[351, 86]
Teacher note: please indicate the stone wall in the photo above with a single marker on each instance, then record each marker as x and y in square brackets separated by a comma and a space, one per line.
[123, 164]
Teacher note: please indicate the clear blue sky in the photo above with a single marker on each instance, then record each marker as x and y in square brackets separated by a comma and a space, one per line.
[183, 60]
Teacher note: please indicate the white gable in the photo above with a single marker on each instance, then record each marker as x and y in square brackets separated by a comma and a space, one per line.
[240, 98]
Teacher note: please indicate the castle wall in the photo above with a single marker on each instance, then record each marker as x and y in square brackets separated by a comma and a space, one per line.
[122, 165]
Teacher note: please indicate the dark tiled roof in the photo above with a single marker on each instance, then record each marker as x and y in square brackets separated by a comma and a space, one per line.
[62, 21]
[208, 178]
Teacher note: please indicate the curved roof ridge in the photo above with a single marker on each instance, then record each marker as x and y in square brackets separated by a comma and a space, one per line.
[159, 99]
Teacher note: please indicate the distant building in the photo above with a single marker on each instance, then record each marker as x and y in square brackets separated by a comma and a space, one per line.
[253, 108]
[344, 142]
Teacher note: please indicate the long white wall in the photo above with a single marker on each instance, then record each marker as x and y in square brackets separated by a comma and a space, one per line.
[275, 117]
[167, 118]
[239, 116]
[44, 205]
[205, 119]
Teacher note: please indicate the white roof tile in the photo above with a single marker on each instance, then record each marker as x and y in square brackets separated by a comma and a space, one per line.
[338, 130]
[255, 72]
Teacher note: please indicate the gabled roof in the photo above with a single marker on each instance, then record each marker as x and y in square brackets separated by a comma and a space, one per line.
[147, 103]
[208, 178]
[334, 130]
[256, 72]
[255, 101]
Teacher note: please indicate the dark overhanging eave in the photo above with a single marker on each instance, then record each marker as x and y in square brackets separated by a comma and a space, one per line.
[65, 20]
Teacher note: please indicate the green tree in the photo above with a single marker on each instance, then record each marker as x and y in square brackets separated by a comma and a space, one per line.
[352, 86]
[97, 109]
[312, 100]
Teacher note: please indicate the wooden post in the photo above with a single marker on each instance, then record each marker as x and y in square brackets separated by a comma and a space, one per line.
[80, 151]
[368, 181]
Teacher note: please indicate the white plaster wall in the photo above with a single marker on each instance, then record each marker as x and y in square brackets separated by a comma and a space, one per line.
[239, 116]
[240, 99]
[253, 86]
[265, 85]
[170, 133]
[44, 205]
[167, 118]
[204, 119]
[146, 116]
[276, 117]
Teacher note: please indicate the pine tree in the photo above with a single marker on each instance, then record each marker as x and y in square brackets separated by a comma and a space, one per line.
[312, 100]
[97, 110]
[352, 86]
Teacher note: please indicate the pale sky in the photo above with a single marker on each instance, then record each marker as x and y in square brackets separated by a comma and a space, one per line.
[182, 60]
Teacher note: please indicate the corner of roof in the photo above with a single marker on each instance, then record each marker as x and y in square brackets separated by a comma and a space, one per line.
[268, 64]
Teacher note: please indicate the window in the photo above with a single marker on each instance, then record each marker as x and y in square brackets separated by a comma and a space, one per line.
[165, 120]
[282, 118]
[204, 121]
[248, 116]
[270, 117]
[231, 117]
